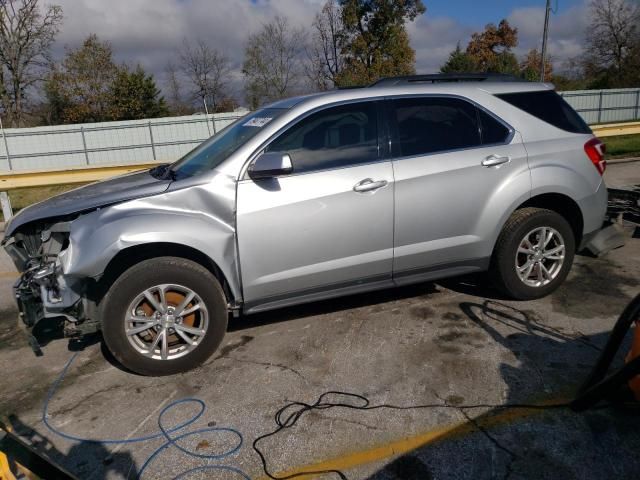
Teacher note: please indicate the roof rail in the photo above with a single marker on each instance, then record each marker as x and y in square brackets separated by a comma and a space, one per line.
[447, 77]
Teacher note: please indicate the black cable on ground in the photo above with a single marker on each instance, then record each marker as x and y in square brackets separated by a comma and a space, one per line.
[288, 416]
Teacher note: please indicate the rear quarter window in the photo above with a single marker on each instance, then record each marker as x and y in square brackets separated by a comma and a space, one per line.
[549, 107]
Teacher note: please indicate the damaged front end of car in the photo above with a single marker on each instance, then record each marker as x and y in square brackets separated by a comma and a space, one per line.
[43, 292]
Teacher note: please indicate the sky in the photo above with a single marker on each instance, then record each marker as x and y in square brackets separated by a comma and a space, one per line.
[149, 32]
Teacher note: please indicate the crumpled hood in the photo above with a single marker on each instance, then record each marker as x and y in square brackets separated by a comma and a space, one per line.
[88, 197]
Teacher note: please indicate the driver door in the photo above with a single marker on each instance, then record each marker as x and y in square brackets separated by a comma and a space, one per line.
[326, 228]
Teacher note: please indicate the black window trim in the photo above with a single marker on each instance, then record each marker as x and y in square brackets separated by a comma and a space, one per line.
[383, 137]
[393, 132]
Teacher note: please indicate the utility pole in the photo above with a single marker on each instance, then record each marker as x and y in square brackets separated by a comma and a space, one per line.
[544, 40]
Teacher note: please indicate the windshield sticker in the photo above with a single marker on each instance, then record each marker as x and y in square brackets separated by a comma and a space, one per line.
[257, 122]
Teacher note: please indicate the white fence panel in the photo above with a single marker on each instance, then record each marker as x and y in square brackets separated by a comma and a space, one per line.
[605, 106]
[107, 143]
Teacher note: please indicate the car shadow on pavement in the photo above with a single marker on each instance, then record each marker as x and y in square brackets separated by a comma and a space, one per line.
[549, 364]
[84, 459]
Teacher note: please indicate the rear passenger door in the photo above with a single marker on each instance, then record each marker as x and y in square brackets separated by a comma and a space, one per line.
[454, 164]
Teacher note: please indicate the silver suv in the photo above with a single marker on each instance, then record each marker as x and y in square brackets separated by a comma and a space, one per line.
[408, 180]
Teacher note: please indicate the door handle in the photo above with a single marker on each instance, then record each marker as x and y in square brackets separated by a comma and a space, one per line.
[493, 160]
[368, 185]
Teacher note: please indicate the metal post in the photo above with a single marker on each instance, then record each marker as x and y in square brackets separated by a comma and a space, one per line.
[153, 147]
[544, 39]
[7, 211]
[6, 145]
[84, 144]
[637, 115]
[600, 108]
[206, 112]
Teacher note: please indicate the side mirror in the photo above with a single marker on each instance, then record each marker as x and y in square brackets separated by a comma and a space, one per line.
[269, 165]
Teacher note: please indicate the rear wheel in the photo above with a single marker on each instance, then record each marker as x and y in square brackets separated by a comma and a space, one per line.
[533, 254]
[163, 316]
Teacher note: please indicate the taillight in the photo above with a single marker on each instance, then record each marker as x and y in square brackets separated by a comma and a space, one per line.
[595, 150]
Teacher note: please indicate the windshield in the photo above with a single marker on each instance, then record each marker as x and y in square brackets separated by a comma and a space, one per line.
[212, 152]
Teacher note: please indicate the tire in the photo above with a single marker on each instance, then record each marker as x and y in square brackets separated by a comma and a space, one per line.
[506, 257]
[205, 314]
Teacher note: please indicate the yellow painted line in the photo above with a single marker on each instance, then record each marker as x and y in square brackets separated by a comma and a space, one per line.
[28, 179]
[9, 275]
[611, 129]
[399, 447]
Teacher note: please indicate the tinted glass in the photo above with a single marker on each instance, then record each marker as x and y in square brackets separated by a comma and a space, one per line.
[492, 130]
[550, 107]
[428, 125]
[212, 152]
[334, 137]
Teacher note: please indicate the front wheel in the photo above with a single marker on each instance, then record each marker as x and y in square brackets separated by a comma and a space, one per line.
[163, 316]
[533, 254]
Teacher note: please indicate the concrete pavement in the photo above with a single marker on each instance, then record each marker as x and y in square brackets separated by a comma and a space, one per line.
[455, 342]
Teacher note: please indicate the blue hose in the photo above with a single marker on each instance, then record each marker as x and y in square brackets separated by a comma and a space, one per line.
[163, 433]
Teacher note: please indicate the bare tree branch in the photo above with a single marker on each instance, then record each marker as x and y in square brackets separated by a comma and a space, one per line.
[27, 32]
[324, 52]
[272, 58]
[207, 69]
[613, 38]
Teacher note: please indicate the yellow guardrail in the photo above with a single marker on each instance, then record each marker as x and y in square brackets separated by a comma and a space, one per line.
[42, 178]
[611, 129]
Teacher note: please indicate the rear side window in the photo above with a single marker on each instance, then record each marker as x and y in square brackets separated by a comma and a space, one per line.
[434, 124]
[334, 137]
[550, 107]
[493, 131]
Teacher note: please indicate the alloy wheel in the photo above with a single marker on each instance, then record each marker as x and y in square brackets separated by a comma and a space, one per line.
[540, 256]
[166, 321]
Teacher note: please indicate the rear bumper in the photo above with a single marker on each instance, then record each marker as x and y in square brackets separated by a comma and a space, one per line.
[594, 210]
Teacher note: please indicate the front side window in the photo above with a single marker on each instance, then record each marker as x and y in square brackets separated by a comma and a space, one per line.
[331, 138]
[434, 124]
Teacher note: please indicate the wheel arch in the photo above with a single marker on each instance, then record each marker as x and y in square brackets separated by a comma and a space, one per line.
[129, 256]
[563, 205]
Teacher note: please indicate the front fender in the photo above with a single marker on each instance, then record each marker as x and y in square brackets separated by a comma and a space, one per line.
[96, 238]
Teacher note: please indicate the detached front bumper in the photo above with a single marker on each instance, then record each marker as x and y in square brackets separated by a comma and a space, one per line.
[623, 206]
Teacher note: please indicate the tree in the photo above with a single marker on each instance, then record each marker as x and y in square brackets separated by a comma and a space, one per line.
[174, 91]
[81, 85]
[134, 96]
[530, 67]
[376, 43]
[324, 53]
[207, 69]
[459, 61]
[27, 32]
[89, 87]
[271, 62]
[612, 56]
[490, 50]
